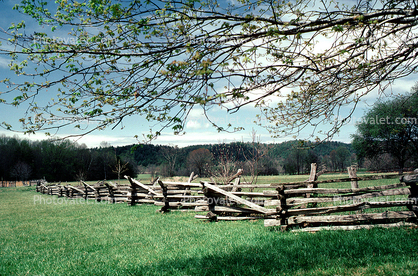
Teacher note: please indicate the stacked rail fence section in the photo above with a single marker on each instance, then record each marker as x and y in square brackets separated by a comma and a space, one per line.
[299, 206]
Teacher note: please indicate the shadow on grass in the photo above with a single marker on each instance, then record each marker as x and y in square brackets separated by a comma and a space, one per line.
[363, 252]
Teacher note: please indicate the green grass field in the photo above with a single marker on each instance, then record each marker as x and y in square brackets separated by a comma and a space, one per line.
[44, 235]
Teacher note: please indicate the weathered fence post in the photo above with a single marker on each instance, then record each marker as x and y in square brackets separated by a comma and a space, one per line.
[282, 207]
[67, 191]
[352, 173]
[311, 183]
[86, 190]
[98, 195]
[133, 195]
[187, 190]
[94, 190]
[212, 200]
[412, 180]
[237, 179]
[111, 195]
[166, 206]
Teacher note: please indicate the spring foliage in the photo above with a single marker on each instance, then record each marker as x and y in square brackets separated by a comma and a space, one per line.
[300, 62]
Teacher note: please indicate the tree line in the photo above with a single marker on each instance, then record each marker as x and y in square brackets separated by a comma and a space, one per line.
[221, 160]
[22, 159]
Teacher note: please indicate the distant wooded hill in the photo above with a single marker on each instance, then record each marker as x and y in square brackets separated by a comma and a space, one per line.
[292, 157]
[21, 159]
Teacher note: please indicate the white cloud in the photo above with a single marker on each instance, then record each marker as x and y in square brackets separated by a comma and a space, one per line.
[193, 124]
[211, 137]
[91, 140]
[31, 137]
[196, 113]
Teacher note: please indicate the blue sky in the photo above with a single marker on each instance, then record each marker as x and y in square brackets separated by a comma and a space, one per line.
[198, 129]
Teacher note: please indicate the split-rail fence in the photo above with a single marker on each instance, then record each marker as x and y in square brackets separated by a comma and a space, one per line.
[299, 206]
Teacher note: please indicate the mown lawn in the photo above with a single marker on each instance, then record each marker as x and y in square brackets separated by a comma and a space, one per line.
[44, 235]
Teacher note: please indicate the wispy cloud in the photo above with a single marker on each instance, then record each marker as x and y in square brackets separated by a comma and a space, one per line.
[208, 137]
[193, 124]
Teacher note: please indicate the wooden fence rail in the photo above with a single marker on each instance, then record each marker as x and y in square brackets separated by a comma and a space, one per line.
[100, 191]
[8, 183]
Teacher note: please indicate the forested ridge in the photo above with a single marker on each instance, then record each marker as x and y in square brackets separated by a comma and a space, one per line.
[22, 159]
